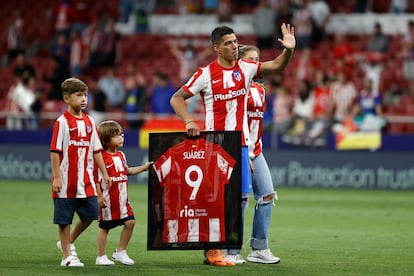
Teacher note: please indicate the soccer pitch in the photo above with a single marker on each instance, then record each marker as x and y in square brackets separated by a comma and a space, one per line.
[313, 231]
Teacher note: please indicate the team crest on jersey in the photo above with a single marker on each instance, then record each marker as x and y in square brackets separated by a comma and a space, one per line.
[88, 129]
[237, 75]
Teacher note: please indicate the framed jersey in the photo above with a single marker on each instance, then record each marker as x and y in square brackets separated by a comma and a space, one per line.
[194, 191]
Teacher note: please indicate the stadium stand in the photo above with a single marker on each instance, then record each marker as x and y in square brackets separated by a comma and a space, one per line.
[148, 50]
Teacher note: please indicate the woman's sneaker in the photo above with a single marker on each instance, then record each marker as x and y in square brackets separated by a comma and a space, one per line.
[72, 248]
[103, 260]
[122, 257]
[71, 261]
[263, 256]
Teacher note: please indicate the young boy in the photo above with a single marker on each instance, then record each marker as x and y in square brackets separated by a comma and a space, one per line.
[74, 147]
[118, 211]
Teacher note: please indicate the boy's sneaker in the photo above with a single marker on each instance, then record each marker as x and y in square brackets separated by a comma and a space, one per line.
[71, 261]
[122, 257]
[72, 248]
[103, 260]
[263, 256]
[235, 258]
[215, 257]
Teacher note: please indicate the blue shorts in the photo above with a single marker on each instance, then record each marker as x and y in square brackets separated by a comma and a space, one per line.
[65, 208]
[109, 224]
[246, 173]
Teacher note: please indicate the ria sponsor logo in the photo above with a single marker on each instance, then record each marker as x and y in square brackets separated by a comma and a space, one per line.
[230, 95]
[187, 212]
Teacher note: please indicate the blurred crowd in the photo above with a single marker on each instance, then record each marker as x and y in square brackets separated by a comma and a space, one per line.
[333, 83]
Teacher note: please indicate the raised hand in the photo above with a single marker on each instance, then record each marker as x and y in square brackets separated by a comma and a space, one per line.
[288, 32]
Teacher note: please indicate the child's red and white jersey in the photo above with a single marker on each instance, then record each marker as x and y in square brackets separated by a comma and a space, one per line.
[193, 174]
[116, 197]
[255, 111]
[224, 94]
[76, 140]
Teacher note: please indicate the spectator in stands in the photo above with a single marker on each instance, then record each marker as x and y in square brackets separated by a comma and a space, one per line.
[302, 114]
[109, 46]
[408, 55]
[136, 96]
[306, 64]
[321, 119]
[343, 54]
[113, 88]
[282, 112]
[263, 20]
[63, 16]
[15, 37]
[284, 13]
[59, 74]
[21, 66]
[23, 96]
[342, 97]
[378, 42]
[372, 65]
[342, 48]
[362, 6]
[92, 37]
[13, 111]
[21, 69]
[78, 55]
[60, 50]
[367, 112]
[126, 8]
[321, 95]
[98, 104]
[321, 14]
[302, 20]
[162, 91]
[398, 6]
[211, 6]
[143, 9]
[189, 59]
[80, 15]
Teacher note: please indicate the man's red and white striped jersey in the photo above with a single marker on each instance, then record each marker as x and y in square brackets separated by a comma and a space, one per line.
[76, 140]
[255, 111]
[224, 94]
[193, 174]
[116, 197]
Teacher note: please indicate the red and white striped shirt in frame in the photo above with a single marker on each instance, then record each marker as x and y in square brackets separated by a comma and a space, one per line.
[193, 175]
[255, 111]
[116, 197]
[343, 95]
[224, 94]
[76, 140]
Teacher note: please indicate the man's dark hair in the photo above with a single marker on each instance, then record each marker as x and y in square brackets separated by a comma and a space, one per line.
[219, 32]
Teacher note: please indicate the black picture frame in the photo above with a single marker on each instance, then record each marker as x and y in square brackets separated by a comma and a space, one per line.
[159, 143]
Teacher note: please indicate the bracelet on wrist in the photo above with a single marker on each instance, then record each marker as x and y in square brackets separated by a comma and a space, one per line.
[187, 122]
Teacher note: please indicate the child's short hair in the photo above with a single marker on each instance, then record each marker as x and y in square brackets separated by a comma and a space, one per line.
[73, 85]
[107, 130]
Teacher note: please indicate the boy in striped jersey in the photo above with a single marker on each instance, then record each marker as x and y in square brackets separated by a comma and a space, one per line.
[74, 147]
[118, 210]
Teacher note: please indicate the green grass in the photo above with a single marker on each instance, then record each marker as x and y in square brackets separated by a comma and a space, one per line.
[313, 231]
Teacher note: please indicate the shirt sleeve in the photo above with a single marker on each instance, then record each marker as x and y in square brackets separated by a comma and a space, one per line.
[198, 82]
